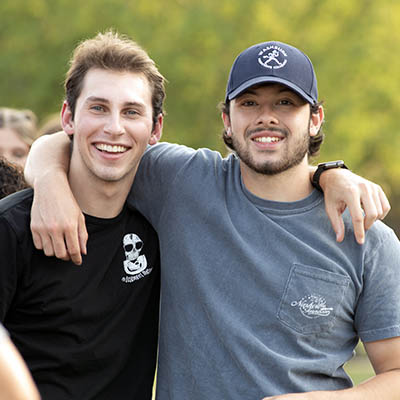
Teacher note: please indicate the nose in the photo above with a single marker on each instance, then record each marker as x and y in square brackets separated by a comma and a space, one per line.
[114, 125]
[266, 116]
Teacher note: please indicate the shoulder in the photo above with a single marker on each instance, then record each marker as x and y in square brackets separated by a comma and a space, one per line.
[15, 210]
[175, 153]
[380, 243]
[18, 199]
[164, 165]
[381, 235]
[378, 233]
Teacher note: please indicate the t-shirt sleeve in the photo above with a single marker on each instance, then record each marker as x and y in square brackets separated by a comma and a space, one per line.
[378, 310]
[156, 175]
[8, 266]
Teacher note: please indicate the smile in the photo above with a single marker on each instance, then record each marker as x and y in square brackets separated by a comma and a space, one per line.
[111, 148]
[267, 139]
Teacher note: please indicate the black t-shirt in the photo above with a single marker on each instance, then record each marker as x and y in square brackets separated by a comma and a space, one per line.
[89, 331]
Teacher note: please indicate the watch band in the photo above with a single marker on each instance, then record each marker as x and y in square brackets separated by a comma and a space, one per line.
[323, 167]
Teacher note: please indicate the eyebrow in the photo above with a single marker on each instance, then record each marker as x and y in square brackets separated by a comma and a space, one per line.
[93, 99]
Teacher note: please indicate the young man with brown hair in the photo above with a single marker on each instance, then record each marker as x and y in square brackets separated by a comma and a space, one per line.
[91, 333]
[318, 298]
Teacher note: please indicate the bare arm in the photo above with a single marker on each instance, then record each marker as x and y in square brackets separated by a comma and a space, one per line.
[384, 356]
[365, 200]
[57, 223]
[16, 382]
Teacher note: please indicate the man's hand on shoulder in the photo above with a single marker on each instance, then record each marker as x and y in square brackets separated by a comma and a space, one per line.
[57, 223]
[365, 200]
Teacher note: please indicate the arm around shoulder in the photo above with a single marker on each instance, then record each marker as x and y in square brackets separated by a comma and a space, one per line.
[48, 155]
[57, 224]
[365, 200]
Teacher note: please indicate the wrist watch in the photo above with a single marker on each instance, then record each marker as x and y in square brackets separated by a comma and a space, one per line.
[323, 167]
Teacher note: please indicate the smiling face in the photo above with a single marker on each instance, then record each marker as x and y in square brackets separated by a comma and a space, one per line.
[270, 127]
[112, 125]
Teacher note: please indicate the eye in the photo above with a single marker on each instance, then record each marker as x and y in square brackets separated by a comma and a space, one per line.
[19, 153]
[285, 102]
[248, 103]
[97, 107]
[131, 113]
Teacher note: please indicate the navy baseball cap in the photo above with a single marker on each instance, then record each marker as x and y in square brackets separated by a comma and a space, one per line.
[273, 62]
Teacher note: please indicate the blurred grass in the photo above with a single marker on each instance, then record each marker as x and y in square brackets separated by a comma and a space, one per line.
[359, 367]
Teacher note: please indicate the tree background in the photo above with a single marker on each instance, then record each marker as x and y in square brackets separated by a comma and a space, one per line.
[354, 46]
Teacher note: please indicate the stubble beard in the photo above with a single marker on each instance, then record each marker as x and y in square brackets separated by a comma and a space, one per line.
[293, 155]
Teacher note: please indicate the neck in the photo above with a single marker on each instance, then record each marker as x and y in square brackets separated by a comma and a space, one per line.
[290, 185]
[99, 198]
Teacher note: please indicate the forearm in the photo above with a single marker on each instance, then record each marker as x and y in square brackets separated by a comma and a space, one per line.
[49, 155]
[57, 223]
[385, 386]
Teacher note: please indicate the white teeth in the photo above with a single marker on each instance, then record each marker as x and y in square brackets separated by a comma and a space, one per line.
[111, 149]
[268, 139]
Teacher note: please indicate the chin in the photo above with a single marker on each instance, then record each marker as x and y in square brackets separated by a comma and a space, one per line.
[116, 176]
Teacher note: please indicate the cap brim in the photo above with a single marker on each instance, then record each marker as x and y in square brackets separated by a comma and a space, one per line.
[264, 79]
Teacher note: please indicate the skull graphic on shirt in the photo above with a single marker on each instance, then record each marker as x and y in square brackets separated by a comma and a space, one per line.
[134, 262]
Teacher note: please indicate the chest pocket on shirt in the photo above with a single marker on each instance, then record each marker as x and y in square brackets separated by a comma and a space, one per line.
[312, 299]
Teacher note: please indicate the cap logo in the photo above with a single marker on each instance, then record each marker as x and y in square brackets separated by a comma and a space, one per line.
[272, 57]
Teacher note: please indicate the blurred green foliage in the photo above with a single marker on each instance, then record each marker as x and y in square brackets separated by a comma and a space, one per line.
[354, 46]
[359, 368]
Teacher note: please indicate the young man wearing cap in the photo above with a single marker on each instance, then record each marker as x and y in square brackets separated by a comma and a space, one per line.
[318, 298]
[92, 332]
[235, 242]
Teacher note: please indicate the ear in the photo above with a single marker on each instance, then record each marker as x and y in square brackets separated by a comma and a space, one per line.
[316, 121]
[67, 120]
[227, 123]
[157, 130]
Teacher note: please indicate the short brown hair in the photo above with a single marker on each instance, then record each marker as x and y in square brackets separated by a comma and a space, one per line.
[113, 51]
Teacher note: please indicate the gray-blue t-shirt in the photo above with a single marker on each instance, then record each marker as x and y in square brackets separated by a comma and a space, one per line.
[258, 299]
